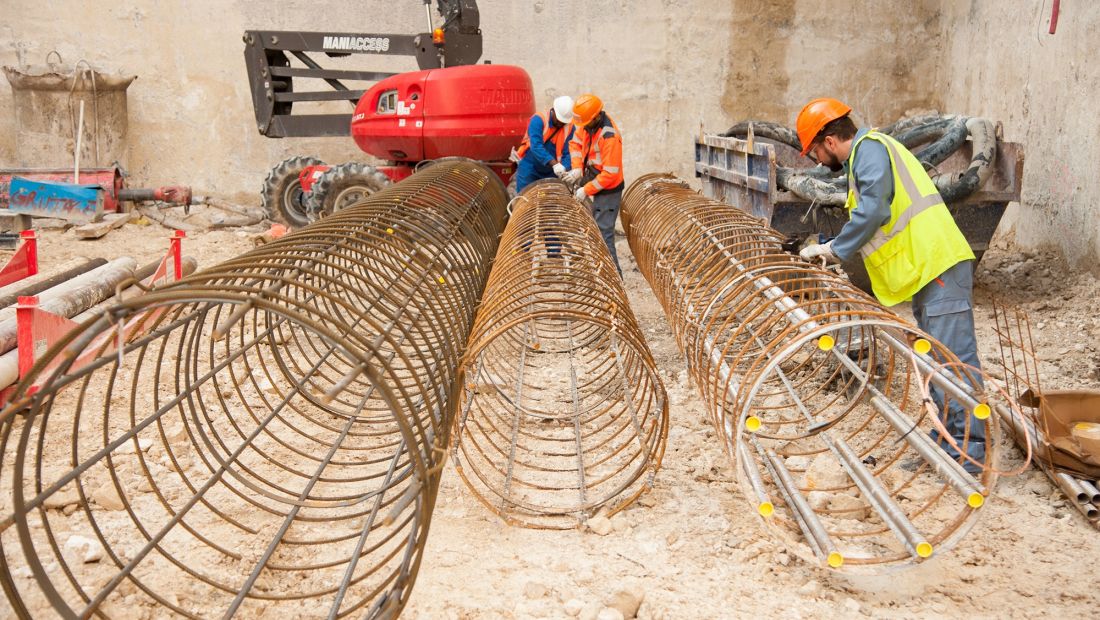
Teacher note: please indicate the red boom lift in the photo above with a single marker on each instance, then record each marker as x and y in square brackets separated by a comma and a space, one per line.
[452, 107]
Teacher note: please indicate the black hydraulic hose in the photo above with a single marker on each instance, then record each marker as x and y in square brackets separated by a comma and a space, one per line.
[903, 125]
[764, 129]
[938, 136]
[955, 187]
[949, 134]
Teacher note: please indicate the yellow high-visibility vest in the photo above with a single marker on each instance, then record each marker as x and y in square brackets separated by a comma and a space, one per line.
[921, 240]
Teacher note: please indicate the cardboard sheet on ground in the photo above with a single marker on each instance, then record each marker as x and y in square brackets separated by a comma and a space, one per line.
[1071, 417]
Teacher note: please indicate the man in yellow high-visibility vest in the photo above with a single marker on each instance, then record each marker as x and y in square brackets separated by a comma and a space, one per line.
[910, 244]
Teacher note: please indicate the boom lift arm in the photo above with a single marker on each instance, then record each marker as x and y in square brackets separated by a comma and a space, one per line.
[457, 41]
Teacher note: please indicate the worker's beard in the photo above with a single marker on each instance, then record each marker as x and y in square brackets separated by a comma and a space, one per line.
[832, 162]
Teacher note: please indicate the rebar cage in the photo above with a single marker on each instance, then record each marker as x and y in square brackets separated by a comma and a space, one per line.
[822, 395]
[264, 437]
[564, 412]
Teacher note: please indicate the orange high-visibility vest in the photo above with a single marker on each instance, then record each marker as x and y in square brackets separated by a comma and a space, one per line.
[602, 150]
[548, 132]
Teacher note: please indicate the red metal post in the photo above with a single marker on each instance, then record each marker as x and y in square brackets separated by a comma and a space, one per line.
[177, 254]
[24, 331]
[30, 241]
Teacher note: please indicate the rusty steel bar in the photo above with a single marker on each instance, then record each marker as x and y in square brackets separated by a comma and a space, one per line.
[269, 439]
[564, 413]
[821, 394]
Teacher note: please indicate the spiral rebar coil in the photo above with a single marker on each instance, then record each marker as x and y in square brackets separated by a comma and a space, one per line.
[563, 411]
[271, 443]
[817, 389]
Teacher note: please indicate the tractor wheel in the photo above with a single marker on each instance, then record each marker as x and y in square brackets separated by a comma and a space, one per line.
[282, 196]
[344, 185]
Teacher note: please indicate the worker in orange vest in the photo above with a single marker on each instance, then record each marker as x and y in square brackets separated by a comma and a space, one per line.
[543, 153]
[597, 166]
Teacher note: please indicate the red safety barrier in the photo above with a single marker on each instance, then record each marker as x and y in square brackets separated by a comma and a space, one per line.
[25, 261]
[37, 330]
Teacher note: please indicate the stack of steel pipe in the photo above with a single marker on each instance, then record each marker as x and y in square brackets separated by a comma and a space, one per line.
[271, 443]
[1057, 429]
[819, 392]
[563, 414]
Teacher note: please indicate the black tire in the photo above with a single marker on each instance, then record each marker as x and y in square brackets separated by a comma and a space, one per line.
[344, 185]
[282, 197]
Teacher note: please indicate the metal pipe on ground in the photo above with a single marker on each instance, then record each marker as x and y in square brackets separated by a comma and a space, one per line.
[818, 391]
[1091, 489]
[72, 296]
[271, 440]
[563, 414]
[188, 266]
[45, 280]
[9, 361]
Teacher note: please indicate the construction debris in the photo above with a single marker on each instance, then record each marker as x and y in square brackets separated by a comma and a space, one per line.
[1061, 430]
[96, 230]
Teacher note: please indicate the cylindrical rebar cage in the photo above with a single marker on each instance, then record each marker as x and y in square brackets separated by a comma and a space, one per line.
[822, 395]
[269, 437]
[563, 411]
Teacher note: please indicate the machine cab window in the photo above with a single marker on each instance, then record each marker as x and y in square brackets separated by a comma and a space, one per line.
[387, 102]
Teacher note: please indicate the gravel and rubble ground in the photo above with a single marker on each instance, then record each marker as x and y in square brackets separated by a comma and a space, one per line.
[692, 548]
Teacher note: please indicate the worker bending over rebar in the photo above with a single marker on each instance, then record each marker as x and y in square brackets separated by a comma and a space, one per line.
[910, 244]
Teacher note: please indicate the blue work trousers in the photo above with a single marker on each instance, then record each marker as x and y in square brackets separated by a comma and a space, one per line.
[944, 309]
[527, 172]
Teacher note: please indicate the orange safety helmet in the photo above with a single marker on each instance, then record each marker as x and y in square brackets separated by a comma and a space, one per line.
[586, 108]
[813, 118]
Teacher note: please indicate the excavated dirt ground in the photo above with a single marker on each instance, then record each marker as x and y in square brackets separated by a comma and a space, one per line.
[694, 549]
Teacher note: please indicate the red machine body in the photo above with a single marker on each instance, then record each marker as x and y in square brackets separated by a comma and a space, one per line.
[474, 111]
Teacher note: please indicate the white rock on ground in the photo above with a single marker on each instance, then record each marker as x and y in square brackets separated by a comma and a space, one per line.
[87, 549]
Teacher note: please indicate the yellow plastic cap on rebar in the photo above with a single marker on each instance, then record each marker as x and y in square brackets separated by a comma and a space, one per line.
[924, 549]
[922, 346]
[389, 231]
[835, 560]
[766, 509]
[982, 411]
[753, 424]
[825, 342]
[441, 280]
[975, 500]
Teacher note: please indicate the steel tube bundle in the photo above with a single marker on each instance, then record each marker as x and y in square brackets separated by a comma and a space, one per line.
[269, 438]
[819, 392]
[563, 411]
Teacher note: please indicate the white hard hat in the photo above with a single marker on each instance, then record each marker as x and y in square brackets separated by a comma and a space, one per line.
[563, 108]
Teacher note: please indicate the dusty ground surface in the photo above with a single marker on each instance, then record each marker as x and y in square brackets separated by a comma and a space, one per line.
[693, 548]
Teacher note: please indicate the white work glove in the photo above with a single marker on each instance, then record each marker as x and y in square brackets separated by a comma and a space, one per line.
[573, 175]
[581, 195]
[819, 252]
[514, 156]
[559, 170]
